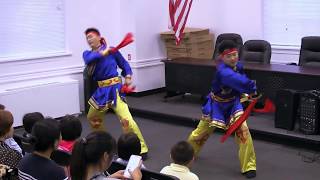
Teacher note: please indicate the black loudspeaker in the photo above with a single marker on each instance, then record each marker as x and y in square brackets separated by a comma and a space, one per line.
[286, 109]
[309, 112]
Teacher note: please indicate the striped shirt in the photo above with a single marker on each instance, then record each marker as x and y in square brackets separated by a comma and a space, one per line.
[35, 167]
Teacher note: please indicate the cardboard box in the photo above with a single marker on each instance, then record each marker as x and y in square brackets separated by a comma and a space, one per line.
[185, 43]
[187, 33]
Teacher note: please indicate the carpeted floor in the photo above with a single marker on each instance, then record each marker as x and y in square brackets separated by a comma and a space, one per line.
[220, 161]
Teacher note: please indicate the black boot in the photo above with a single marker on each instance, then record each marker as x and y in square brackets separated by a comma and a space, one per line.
[250, 174]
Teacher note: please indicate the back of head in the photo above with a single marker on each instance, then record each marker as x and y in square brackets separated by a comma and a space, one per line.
[6, 121]
[128, 144]
[2, 107]
[225, 45]
[182, 153]
[30, 119]
[46, 134]
[90, 151]
[70, 127]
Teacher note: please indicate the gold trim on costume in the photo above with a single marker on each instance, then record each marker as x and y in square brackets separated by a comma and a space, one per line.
[109, 82]
[220, 99]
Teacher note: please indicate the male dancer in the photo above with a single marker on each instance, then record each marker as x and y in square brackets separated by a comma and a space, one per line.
[103, 68]
[223, 107]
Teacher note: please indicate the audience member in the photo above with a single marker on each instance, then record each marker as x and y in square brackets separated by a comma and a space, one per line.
[71, 129]
[128, 144]
[29, 120]
[10, 141]
[182, 155]
[38, 165]
[92, 155]
[8, 156]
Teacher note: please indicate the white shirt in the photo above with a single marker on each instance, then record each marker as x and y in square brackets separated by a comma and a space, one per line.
[179, 171]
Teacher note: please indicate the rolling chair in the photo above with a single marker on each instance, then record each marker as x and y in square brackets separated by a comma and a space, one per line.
[227, 36]
[310, 51]
[256, 51]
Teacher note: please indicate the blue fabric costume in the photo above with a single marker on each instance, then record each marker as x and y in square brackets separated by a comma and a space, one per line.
[106, 68]
[223, 105]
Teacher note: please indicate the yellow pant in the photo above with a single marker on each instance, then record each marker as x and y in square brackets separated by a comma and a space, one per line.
[243, 138]
[96, 118]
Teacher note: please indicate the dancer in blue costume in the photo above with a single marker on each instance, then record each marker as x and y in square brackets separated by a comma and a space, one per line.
[103, 67]
[223, 107]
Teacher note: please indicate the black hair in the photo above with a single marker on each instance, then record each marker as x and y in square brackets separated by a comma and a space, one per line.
[45, 134]
[92, 29]
[128, 144]
[70, 127]
[90, 150]
[226, 44]
[2, 107]
[30, 119]
[182, 153]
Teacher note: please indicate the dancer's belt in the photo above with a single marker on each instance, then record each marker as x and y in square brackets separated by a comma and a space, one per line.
[220, 99]
[109, 82]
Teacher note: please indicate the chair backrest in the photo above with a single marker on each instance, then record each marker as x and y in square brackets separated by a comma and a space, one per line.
[146, 174]
[310, 51]
[62, 158]
[151, 175]
[257, 51]
[25, 141]
[227, 36]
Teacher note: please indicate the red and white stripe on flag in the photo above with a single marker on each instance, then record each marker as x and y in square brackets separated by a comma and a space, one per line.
[179, 11]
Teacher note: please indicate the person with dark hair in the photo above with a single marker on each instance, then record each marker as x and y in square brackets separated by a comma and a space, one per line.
[128, 144]
[223, 108]
[182, 155]
[8, 156]
[29, 120]
[92, 155]
[38, 165]
[71, 129]
[103, 65]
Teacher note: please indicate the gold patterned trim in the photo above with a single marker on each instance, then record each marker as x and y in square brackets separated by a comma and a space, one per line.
[109, 82]
[220, 99]
[216, 122]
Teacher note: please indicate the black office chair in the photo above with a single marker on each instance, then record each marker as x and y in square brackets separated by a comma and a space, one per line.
[227, 36]
[62, 158]
[25, 141]
[146, 174]
[256, 51]
[310, 51]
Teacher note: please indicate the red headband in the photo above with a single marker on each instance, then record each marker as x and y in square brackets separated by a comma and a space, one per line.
[228, 51]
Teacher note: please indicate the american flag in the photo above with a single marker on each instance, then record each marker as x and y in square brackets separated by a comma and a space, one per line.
[179, 11]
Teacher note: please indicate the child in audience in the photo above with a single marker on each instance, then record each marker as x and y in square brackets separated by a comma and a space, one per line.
[92, 155]
[10, 141]
[38, 165]
[182, 155]
[29, 120]
[71, 129]
[128, 144]
[8, 156]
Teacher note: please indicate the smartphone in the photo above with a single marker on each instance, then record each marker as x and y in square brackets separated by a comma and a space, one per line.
[133, 163]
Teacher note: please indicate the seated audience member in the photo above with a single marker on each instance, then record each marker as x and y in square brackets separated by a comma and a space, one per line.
[29, 120]
[92, 155]
[38, 165]
[10, 141]
[128, 144]
[182, 155]
[71, 129]
[8, 156]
